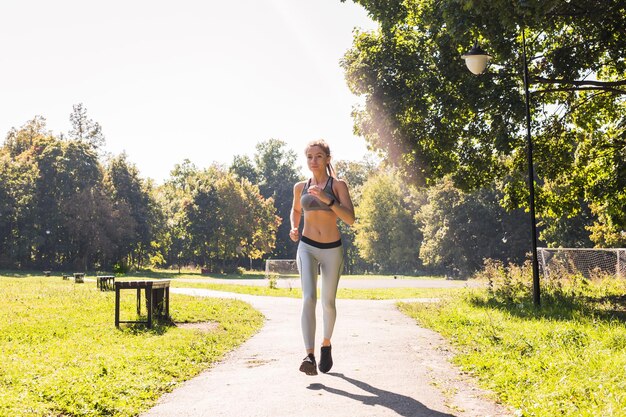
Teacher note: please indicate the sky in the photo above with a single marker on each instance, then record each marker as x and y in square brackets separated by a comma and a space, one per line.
[203, 80]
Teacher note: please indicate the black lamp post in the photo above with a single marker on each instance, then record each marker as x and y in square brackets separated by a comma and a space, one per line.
[476, 60]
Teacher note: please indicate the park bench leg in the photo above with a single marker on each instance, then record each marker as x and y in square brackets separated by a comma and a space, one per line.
[117, 307]
[158, 302]
[138, 301]
[149, 301]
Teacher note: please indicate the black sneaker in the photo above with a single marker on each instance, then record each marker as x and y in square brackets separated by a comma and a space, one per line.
[309, 366]
[326, 361]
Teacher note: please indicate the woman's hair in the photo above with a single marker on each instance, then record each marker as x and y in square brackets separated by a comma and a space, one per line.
[322, 144]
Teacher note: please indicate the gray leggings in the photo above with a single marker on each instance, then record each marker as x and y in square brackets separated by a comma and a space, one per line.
[331, 264]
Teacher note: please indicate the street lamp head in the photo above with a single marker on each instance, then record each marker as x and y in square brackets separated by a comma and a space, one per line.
[476, 59]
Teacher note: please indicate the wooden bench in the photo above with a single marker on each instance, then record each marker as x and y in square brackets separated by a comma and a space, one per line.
[105, 282]
[47, 273]
[66, 276]
[79, 277]
[157, 299]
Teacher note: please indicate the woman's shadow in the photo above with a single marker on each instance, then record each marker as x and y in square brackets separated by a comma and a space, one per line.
[401, 404]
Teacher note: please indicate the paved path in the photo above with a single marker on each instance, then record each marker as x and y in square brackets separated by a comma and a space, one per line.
[385, 365]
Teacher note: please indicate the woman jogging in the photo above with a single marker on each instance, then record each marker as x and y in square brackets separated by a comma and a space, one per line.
[322, 199]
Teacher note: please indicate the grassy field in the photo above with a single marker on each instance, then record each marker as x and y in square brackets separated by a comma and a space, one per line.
[193, 279]
[63, 356]
[352, 293]
[567, 358]
[252, 275]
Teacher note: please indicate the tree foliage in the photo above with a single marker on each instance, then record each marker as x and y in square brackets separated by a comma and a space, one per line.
[134, 197]
[386, 233]
[61, 213]
[461, 230]
[216, 218]
[273, 169]
[85, 129]
[432, 118]
[355, 174]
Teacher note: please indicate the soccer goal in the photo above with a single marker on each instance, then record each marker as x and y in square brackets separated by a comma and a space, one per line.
[589, 262]
[281, 268]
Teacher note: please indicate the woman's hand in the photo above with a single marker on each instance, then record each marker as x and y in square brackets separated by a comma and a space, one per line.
[318, 192]
[294, 234]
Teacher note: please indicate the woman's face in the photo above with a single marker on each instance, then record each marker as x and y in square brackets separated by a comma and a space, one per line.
[316, 158]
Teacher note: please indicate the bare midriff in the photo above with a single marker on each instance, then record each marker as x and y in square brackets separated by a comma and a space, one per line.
[321, 226]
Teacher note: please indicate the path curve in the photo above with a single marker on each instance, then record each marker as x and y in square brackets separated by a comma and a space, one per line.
[385, 365]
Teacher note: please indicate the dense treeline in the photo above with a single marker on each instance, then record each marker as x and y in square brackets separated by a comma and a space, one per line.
[64, 204]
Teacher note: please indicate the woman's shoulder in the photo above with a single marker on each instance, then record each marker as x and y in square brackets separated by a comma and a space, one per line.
[299, 185]
[340, 182]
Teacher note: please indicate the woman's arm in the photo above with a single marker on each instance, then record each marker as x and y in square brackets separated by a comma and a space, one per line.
[296, 212]
[343, 207]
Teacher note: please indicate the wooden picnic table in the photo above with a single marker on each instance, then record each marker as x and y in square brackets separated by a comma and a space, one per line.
[157, 299]
[79, 277]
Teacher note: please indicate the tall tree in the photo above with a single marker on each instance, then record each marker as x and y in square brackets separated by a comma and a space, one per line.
[174, 197]
[243, 167]
[85, 129]
[386, 233]
[461, 230]
[262, 222]
[223, 219]
[274, 169]
[17, 183]
[20, 140]
[67, 194]
[433, 118]
[18, 176]
[60, 214]
[356, 174]
[135, 196]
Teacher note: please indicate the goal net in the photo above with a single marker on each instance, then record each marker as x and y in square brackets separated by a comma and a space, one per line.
[281, 268]
[585, 261]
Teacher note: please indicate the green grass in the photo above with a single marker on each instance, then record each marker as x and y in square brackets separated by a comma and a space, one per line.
[194, 274]
[204, 281]
[391, 277]
[260, 275]
[566, 359]
[63, 356]
[344, 293]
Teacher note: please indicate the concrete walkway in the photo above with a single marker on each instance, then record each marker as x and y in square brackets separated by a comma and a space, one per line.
[385, 365]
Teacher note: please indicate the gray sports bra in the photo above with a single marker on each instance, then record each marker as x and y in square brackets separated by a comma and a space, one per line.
[310, 202]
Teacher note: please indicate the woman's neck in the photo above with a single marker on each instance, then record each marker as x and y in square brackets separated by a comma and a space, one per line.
[320, 178]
